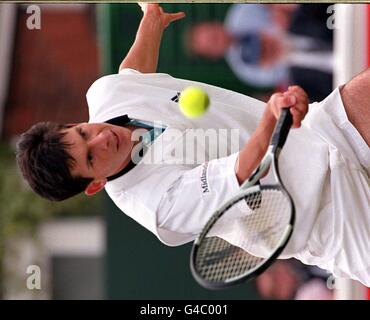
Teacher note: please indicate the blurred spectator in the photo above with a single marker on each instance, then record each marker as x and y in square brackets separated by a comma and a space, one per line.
[289, 279]
[271, 45]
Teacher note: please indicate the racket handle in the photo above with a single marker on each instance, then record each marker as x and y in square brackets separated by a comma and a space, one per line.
[281, 129]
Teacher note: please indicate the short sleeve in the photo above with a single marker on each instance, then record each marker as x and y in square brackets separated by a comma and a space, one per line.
[192, 199]
[129, 71]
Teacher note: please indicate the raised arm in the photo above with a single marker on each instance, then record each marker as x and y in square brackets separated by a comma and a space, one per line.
[143, 55]
[255, 148]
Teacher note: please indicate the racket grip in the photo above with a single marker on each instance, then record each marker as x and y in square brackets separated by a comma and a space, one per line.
[282, 129]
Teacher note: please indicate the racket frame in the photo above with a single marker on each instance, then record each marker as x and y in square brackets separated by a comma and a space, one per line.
[250, 186]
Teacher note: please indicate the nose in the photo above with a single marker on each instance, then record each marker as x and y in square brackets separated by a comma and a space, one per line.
[100, 141]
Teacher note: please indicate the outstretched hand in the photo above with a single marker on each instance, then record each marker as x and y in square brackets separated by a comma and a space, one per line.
[156, 10]
[295, 98]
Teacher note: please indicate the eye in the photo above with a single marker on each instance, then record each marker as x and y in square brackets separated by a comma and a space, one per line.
[82, 133]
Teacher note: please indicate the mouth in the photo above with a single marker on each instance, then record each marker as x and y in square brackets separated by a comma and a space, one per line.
[116, 138]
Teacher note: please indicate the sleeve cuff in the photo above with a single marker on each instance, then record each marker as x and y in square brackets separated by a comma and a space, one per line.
[129, 71]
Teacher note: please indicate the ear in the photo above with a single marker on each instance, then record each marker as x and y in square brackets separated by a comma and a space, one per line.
[95, 186]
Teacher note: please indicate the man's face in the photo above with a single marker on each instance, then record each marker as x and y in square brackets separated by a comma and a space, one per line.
[272, 49]
[210, 39]
[100, 149]
[279, 282]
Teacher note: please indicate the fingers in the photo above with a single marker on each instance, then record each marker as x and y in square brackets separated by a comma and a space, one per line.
[170, 17]
[176, 16]
[279, 101]
[300, 108]
[297, 117]
[154, 9]
[296, 99]
[297, 89]
[143, 5]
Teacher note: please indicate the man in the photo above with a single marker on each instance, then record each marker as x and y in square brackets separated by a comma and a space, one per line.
[172, 190]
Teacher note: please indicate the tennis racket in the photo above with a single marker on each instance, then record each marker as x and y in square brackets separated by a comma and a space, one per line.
[247, 233]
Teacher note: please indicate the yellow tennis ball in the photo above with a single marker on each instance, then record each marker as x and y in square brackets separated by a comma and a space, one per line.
[193, 102]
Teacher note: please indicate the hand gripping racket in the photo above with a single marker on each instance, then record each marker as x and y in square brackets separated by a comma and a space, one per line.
[247, 233]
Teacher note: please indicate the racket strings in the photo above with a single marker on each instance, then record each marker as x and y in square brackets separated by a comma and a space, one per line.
[249, 232]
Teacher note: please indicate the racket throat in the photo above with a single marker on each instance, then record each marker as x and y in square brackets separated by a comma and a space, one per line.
[261, 170]
[275, 150]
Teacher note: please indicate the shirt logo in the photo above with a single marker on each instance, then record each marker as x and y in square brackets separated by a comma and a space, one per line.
[204, 179]
[176, 97]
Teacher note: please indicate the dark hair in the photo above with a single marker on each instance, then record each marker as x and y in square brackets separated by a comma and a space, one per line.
[44, 162]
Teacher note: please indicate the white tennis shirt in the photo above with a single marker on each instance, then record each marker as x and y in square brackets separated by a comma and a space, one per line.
[189, 170]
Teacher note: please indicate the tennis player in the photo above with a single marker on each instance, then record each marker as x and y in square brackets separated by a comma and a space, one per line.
[136, 145]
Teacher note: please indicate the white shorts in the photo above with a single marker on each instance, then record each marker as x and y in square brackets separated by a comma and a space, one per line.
[340, 239]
